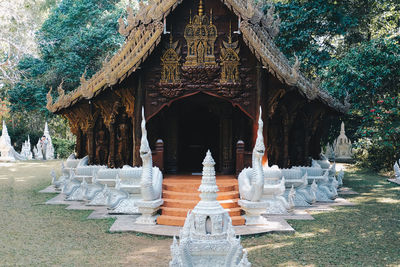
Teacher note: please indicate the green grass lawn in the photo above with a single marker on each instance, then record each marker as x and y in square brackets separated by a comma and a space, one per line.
[32, 233]
[366, 234]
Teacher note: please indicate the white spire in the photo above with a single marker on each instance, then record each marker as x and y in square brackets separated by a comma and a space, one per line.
[260, 138]
[342, 129]
[46, 129]
[144, 142]
[4, 134]
[208, 187]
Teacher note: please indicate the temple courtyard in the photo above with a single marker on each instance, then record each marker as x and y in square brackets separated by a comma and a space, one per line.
[366, 233]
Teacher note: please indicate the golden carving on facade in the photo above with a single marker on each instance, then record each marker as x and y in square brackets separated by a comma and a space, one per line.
[200, 35]
[230, 61]
[170, 63]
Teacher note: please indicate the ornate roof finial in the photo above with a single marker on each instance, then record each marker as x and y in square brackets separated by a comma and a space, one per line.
[211, 13]
[49, 98]
[200, 8]
[190, 17]
[83, 79]
[60, 89]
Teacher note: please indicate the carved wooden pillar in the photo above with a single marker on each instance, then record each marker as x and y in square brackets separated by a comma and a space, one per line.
[239, 156]
[90, 140]
[137, 133]
[158, 157]
[111, 153]
[78, 146]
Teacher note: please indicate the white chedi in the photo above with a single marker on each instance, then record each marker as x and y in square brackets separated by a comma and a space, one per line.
[7, 152]
[44, 148]
[396, 169]
[342, 145]
[207, 237]
[26, 149]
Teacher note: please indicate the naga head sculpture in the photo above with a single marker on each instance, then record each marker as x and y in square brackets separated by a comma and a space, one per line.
[259, 148]
[144, 145]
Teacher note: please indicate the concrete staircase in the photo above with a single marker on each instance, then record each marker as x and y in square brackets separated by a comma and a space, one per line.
[180, 195]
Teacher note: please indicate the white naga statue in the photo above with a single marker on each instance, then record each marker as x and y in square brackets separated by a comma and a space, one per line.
[251, 183]
[151, 182]
[207, 237]
[147, 179]
[251, 180]
[342, 145]
[7, 151]
[44, 148]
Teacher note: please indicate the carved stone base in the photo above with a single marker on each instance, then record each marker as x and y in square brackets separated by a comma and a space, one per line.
[253, 211]
[322, 194]
[78, 194]
[126, 206]
[276, 205]
[100, 199]
[302, 198]
[148, 209]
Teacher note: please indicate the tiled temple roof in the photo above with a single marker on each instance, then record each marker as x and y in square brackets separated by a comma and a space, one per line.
[143, 33]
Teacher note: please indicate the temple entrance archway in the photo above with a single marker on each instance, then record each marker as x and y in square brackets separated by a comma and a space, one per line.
[192, 125]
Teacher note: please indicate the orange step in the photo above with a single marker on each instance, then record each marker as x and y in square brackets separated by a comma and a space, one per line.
[189, 187]
[180, 221]
[196, 196]
[185, 203]
[180, 194]
[182, 212]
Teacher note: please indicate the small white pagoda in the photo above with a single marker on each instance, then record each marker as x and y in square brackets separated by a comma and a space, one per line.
[208, 238]
[342, 146]
[26, 149]
[44, 148]
[7, 152]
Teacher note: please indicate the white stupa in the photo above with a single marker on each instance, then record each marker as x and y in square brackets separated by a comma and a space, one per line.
[44, 148]
[7, 152]
[208, 238]
[26, 149]
[342, 146]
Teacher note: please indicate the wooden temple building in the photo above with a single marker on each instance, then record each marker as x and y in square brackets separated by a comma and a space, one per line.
[201, 70]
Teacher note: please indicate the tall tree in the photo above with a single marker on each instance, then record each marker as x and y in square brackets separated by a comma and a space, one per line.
[77, 35]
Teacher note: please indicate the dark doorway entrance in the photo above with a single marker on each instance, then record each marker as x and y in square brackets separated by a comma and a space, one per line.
[198, 132]
[192, 125]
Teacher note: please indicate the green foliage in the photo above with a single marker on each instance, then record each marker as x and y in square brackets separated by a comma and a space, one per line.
[380, 131]
[370, 73]
[63, 147]
[310, 30]
[367, 72]
[353, 45]
[76, 36]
